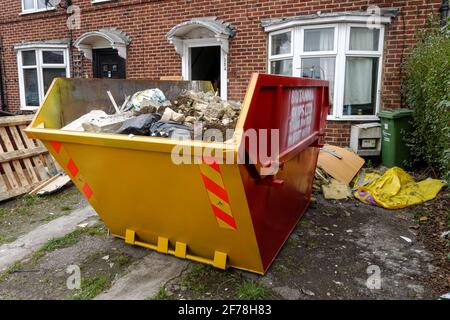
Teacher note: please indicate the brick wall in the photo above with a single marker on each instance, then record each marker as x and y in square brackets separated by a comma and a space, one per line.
[151, 56]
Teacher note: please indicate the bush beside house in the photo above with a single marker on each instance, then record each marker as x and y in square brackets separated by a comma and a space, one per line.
[427, 91]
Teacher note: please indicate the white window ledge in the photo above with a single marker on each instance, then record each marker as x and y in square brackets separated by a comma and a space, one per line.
[29, 108]
[327, 19]
[100, 1]
[353, 118]
[23, 13]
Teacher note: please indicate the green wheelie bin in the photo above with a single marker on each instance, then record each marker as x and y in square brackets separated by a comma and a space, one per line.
[395, 124]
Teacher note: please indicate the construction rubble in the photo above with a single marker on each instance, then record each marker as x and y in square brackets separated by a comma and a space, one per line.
[149, 113]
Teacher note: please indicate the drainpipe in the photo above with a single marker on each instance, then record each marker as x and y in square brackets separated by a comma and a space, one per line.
[444, 12]
[2, 89]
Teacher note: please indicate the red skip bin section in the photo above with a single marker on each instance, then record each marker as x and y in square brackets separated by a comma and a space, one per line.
[295, 109]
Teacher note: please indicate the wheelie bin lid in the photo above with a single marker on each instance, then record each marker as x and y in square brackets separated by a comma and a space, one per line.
[395, 113]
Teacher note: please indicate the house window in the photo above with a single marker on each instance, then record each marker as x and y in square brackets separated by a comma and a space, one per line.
[37, 69]
[30, 6]
[281, 53]
[349, 56]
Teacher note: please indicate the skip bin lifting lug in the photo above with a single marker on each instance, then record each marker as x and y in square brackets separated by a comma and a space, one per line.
[219, 261]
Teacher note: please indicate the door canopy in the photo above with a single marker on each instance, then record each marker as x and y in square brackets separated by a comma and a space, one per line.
[101, 39]
[201, 28]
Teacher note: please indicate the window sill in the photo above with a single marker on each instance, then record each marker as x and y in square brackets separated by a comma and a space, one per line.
[100, 1]
[24, 13]
[29, 108]
[354, 118]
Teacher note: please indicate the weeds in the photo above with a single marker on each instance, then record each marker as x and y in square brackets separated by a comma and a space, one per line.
[14, 267]
[30, 199]
[91, 287]
[66, 241]
[250, 290]
[161, 295]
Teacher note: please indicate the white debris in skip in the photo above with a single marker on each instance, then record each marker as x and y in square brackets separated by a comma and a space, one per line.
[98, 121]
[109, 123]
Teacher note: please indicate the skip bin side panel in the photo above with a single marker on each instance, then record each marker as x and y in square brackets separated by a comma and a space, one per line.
[293, 111]
[146, 192]
[276, 210]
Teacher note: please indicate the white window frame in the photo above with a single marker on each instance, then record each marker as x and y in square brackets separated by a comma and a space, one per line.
[35, 8]
[284, 56]
[341, 52]
[206, 42]
[39, 66]
[368, 54]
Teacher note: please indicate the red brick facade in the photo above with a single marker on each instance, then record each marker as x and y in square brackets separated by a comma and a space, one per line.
[151, 56]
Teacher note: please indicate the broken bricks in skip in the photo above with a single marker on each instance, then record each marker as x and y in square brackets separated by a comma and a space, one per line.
[237, 214]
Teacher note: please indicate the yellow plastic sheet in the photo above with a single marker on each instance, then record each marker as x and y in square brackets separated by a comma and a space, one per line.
[395, 189]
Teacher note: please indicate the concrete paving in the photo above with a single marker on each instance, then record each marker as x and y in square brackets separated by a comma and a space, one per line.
[145, 278]
[32, 241]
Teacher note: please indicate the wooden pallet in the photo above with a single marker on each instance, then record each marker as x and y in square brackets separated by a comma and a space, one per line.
[24, 162]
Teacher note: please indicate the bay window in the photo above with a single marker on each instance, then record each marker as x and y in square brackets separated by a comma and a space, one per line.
[37, 69]
[348, 55]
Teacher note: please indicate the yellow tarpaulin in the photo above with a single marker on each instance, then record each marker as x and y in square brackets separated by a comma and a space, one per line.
[395, 189]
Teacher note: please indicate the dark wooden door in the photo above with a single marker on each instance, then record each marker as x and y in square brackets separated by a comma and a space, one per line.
[108, 64]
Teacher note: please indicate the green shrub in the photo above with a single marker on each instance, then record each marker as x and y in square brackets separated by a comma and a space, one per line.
[426, 89]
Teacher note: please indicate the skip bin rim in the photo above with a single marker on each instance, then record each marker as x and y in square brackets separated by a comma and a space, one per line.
[163, 144]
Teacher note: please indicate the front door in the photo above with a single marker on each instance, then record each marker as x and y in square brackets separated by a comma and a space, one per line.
[108, 64]
[205, 65]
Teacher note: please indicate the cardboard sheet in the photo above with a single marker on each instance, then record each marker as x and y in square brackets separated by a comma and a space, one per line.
[341, 164]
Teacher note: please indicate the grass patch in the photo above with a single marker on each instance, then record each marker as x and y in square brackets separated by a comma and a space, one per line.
[251, 290]
[30, 200]
[161, 295]
[122, 260]
[14, 267]
[22, 210]
[292, 242]
[66, 208]
[3, 212]
[66, 241]
[303, 223]
[97, 230]
[312, 244]
[91, 287]
[193, 279]
[418, 215]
